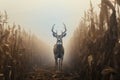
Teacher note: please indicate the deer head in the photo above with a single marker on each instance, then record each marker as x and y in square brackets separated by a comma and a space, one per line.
[59, 37]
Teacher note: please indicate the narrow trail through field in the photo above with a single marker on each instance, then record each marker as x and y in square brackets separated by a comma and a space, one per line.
[49, 73]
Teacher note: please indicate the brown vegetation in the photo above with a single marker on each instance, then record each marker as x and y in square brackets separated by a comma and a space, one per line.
[20, 50]
[95, 46]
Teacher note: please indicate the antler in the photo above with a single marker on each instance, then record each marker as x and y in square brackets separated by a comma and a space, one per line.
[53, 28]
[65, 28]
[64, 32]
[54, 33]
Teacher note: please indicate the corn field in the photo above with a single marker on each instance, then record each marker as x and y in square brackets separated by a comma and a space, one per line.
[20, 50]
[95, 45]
[94, 49]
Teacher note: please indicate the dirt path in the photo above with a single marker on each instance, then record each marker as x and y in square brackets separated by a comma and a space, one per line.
[51, 74]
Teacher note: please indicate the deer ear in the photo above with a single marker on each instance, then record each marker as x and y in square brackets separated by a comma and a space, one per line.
[64, 35]
[54, 34]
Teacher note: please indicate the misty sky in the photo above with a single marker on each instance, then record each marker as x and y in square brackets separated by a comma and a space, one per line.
[40, 15]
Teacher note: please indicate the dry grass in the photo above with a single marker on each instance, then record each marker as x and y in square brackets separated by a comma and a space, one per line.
[95, 44]
[19, 48]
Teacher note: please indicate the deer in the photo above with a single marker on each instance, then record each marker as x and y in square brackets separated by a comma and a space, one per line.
[58, 49]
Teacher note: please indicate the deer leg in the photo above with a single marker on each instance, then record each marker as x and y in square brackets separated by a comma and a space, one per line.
[56, 63]
[61, 63]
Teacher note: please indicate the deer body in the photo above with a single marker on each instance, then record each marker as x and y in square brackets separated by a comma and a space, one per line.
[58, 48]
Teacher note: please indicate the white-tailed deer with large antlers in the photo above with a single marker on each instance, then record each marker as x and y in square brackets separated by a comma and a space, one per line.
[58, 47]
